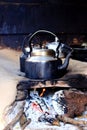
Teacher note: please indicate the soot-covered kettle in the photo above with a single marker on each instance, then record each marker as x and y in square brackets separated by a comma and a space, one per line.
[42, 62]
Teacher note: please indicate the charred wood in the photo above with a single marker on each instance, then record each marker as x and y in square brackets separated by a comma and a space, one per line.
[66, 119]
[21, 95]
[70, 102]
[14, 121]
[48, 118]
[24, 121]
[78, 81]
[62, 118]
[25, 124]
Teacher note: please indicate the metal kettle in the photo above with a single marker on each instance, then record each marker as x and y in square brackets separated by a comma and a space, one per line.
[43, 63]
[25, 53]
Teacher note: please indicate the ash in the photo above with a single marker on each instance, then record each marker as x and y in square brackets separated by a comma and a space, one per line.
[36, 106]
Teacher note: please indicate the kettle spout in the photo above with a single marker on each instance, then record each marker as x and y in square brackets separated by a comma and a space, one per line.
[66, 62]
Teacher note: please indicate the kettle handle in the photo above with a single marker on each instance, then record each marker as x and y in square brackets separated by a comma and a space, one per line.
[37, 32]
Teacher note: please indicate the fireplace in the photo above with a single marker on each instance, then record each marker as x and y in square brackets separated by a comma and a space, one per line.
[41, 107]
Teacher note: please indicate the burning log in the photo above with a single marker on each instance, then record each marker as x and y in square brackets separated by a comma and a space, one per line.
[66, 119]
[28, 84]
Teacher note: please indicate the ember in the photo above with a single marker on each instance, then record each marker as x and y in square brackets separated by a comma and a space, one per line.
[36, 106]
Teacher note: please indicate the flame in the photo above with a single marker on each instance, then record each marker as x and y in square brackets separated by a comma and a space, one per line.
[43, 91]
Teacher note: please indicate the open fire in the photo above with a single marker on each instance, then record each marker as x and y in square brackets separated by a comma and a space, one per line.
[41, 108]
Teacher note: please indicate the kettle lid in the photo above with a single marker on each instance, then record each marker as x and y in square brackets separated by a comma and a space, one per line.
[43, 52]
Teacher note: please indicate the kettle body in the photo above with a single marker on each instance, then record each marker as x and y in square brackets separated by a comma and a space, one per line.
[42, 70]
[42, 65]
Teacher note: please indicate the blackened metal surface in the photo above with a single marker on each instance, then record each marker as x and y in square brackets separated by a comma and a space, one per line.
[43, 70]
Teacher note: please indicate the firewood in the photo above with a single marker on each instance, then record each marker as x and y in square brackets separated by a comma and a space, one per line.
[71, 102]
[28, 84]
[10, 108]
[24, 121]
[53, 122]
[14, 121]
[25, 124]
[68, 81]
[48, 118]
[21, 95]
[66, 119]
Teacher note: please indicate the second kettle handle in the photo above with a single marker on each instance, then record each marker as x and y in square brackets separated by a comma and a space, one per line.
[40, 31]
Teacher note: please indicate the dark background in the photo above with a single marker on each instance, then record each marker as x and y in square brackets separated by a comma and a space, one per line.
[18, 18]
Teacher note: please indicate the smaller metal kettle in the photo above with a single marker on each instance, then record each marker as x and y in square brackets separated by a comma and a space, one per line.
[43, 63]
[24, 55]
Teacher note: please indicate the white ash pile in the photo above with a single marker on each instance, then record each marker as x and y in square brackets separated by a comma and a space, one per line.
[40, 111]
